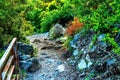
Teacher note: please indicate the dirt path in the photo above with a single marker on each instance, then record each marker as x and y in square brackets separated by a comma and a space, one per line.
[52, 67]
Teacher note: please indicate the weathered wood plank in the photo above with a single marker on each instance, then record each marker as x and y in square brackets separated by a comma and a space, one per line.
[13, 79]
[18, 76]
[6, 68]
[0, 74]
[10, 72]
[7, 53]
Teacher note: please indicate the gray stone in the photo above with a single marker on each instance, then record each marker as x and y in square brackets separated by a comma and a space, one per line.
[59, 62]
[56, 31]
[76, 52]
[51, 60]
[101, 37]
[61, 39]
[61, 68]
[82, 64]
[111, 61]
[88, 60]
[74, 41]
[24, 57]
[43, 53]
[93, 49]
[117, 38]
[102, 44]
[25, 48]
[41, 59]
[30, 65]
[20, 53]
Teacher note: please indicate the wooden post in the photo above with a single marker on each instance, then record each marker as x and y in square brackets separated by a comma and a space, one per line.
[0, 74]
[11, 50]
[16, 52]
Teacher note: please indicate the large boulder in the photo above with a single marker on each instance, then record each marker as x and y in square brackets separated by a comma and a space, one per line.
[81, 39]
[25, 49]
[30, 65]
[56, 31]
[101, 37]
[95, 57]
[117, 38]
[24, 57]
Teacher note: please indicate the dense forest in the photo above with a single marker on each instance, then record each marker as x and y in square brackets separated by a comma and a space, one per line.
[20, 18]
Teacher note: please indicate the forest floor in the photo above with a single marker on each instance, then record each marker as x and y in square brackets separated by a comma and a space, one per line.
[53, 67]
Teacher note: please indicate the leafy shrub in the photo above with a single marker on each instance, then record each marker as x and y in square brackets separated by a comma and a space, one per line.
[114, 44]
[61, 14]
[102, 16]
[73, 26]
[66, 44]
[1, 53]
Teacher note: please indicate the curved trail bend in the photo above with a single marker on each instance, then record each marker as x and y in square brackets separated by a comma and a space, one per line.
[52, 66]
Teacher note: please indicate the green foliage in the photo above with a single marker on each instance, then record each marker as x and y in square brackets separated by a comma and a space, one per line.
[58, 14]
[1, 53]
[12, 21]
[23, 73]
[20, 18]
[89, 76]
[102, 16]
[35, 52]
[115, 46]
[66, 44]
[93, 40]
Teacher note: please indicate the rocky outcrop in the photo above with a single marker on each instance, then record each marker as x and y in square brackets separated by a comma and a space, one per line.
[26, 60]
[117, 38]
[30, 65]
[56, 31]
[96, 61]
[25, 48]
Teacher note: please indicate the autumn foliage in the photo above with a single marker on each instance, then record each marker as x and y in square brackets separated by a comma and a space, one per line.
[73, 26]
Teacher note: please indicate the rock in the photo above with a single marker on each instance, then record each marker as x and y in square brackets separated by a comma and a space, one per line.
[71, 62]
[111, 61]
[30, 65]
[61, 40]
[102, 44]
[89, 61]
[41, 59]
[52, 79]
[74, 41]
[20, 53]
[24, 57]
[101, 37]
[87, 58]
[25, 48]
[89, 64]
[47, 56]
[61, 68]
[56, 31]
[49, 61]
[36, 40]
[93, 49]
[59, 62]
[82, 64]
[117, 38]
[76, 52]
[43, 53]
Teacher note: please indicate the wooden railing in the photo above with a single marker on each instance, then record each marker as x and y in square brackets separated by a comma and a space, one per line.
[9, 66]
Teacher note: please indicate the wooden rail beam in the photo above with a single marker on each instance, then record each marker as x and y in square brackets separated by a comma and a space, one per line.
[7, 53]
[9, 62]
